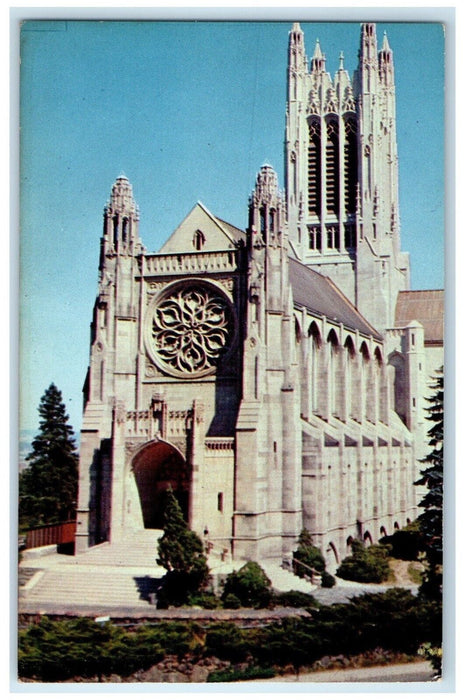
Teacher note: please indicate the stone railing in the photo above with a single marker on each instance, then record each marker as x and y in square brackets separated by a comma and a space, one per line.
[220, 444]
[149, 424]
[188, 263]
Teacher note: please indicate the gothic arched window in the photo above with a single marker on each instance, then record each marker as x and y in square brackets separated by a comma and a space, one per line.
[198, 240]
[364, 369]
[350, 165]
[332, 371]
[348, 373]
[315, 344]
[314, 168]
[332, 167]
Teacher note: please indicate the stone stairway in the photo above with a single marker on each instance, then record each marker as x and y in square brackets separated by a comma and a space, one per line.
[80, 586]
[122, 574]
[285, 580]
[119, 574]
[138, 549]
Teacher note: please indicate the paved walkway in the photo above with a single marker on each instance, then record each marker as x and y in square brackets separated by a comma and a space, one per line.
[417, 672]
[119, 578]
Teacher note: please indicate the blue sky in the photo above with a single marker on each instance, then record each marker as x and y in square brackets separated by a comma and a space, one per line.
[188, 111]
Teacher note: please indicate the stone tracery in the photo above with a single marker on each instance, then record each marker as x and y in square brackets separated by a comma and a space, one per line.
[191, 328]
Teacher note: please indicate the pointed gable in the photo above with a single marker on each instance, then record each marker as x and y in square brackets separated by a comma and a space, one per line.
[202, 231]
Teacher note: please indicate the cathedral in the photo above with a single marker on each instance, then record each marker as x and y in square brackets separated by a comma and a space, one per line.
[275, 377]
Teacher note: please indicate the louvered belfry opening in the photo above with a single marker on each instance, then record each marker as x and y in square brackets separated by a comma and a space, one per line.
[350, 165]
[332, 167]
[314, 169]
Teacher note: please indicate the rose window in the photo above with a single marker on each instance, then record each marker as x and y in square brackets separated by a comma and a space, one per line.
[191, 328]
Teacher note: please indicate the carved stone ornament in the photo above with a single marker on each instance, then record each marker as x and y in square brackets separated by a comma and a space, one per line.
[131, 447]
[227, 283]
[190, 327]
[150, 370]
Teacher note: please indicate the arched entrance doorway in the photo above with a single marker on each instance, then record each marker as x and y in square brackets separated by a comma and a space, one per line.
[156, 467]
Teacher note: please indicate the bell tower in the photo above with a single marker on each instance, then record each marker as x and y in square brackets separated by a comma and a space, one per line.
[341, 173]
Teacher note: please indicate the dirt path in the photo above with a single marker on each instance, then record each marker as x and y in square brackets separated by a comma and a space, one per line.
[400, 570]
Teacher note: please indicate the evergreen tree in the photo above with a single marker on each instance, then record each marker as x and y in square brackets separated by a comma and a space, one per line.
[309, 555]
[431, 519]
[181, 553]
[48, 486]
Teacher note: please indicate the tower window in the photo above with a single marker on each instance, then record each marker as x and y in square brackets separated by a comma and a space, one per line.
[272, 219]
[125, 229]
[349, 235]
[220, 501]
[314, 169]
[332, 236]
[115, 228]
[262, 221]
[332, 167]
[350, 166]
[199, 240]
[314, 237]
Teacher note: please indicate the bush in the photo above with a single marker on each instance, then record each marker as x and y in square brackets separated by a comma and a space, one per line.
[366, 565]
[395, 621]
[181, 553]
[327, 581]
[250, 585]
[309, 555]
[227, 641]
[207, 600]
[295, 599]
[405, 544]
[234, 674]
[231, 601]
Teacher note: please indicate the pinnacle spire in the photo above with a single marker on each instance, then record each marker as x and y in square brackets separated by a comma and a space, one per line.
[317, 53]
[318, 59]
[341, 60]
[386, 46]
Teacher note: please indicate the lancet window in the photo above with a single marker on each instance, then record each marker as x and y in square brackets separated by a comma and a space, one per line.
[332, 167]
[314, 169]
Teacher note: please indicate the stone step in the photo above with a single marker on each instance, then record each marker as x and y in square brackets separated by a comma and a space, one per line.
[84, 587]
[137, 549]
[283, 580]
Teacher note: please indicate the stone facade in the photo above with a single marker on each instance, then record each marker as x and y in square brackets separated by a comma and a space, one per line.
[263, 374]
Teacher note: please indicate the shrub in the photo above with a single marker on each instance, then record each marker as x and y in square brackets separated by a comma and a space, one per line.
[250, 585]
[327, 581]
[295, 599]
[231, 601]
[235, 674]
[227, 641]
[181, 553]
[366, 565]
[405, 544]
[207, 600]
[309, 555]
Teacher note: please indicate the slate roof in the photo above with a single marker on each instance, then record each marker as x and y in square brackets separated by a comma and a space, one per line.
[425, 306]
[236, 233]
[321, 296]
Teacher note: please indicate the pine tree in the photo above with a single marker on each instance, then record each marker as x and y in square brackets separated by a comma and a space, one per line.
[431, 519]
[181, 553]
[48, 486]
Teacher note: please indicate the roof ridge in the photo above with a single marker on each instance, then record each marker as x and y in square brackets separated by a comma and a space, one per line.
[215, 219]
[228, 223]
[341, 294]
[418, 291]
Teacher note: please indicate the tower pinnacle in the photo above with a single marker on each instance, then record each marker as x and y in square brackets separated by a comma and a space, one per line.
[318, 59]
